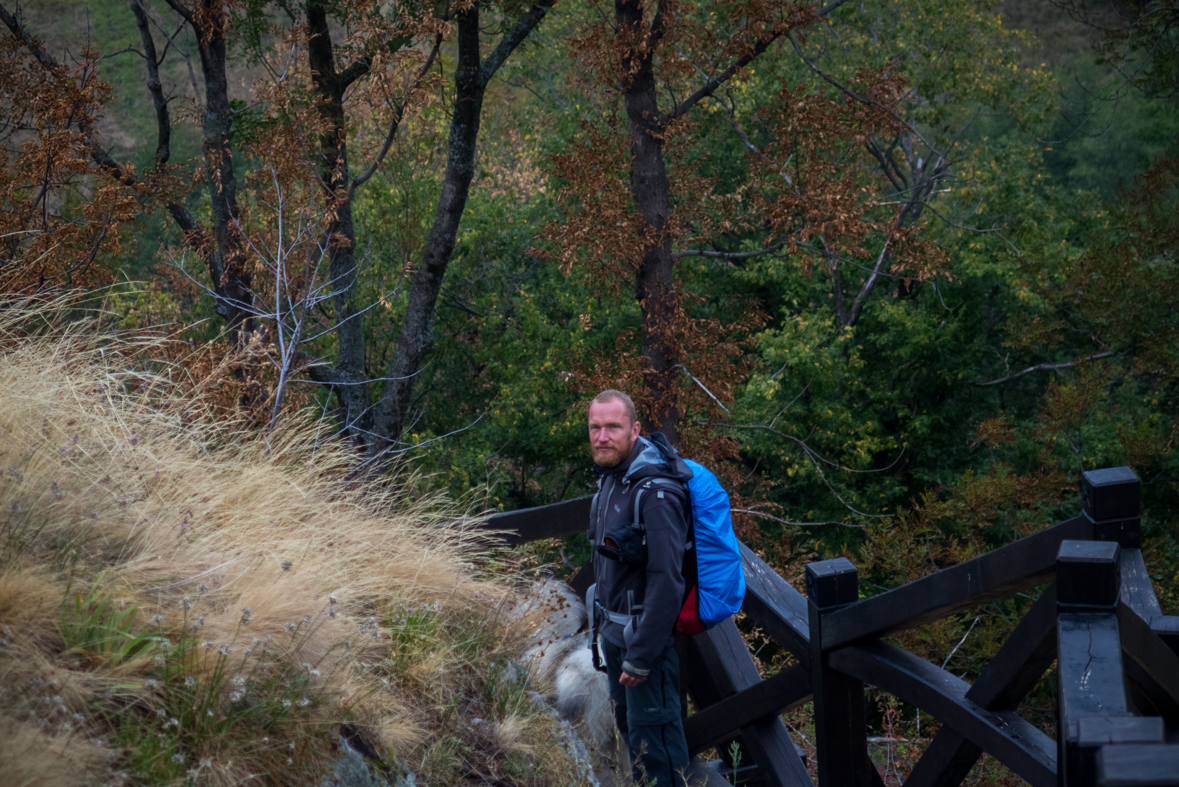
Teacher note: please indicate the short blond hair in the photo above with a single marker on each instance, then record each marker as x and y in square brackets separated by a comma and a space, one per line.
[612, 395]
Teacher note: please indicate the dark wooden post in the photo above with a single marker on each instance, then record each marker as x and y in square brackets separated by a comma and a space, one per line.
[1093, 710]
[1111, 501]
[840, 719]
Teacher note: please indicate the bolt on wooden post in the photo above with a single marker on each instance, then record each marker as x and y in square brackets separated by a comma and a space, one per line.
[840, 718]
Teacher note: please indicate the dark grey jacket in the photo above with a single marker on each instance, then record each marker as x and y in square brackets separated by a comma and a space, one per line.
[658, 586]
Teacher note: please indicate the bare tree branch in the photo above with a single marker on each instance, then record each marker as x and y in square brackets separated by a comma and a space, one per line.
[888, 167]
[703, 387]
[183, 218]
[829, 7]
[181, 9]
[513, 38]
[353, 72]
[154, 86]
[33, 45]
[1044, 367]
[836, 281]
[395, 123]
[709, 87]
[869, 285]
[782, 521]
[731, 255]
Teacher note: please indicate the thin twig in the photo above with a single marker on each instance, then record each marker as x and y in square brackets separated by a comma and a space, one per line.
[1045, 367]
[702, 386]
[782, 521]
[964, 636]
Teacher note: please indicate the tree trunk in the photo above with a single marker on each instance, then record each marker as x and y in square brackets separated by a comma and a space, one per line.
[417, 338]
[650, 189]
[231, 278]
[349, 379]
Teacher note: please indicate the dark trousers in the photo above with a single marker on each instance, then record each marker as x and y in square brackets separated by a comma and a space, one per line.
[648, 716]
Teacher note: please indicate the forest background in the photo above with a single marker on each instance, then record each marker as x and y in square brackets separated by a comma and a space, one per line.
[899, 271]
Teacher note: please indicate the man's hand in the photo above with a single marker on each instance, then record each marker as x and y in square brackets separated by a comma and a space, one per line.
[630, 680]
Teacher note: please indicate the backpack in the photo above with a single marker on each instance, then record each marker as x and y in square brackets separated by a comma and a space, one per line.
[719, 578]
[713, 576]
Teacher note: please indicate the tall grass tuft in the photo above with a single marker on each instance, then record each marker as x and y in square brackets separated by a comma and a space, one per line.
[185, 602]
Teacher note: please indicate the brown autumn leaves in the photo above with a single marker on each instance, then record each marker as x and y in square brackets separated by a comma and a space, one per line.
[639, 194]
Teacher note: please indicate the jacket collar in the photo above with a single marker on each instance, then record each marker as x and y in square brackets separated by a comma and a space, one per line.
[646, 459]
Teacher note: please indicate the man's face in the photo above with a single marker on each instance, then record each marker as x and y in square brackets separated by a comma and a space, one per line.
[612, 434]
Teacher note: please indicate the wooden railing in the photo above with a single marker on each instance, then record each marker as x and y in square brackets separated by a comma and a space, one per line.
[1098, 619]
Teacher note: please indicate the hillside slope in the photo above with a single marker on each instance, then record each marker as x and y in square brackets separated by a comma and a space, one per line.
[181, 603]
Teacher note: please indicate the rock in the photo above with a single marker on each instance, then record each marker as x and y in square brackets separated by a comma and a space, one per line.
[352, 770]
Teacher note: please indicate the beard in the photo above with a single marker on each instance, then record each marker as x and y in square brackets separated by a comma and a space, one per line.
[607, 456]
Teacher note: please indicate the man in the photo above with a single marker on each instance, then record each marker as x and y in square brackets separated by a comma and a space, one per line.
[638, 602]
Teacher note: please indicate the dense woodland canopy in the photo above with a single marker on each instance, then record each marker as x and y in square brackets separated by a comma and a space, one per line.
[900, 271]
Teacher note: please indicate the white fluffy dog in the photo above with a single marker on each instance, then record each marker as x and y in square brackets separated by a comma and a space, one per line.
[558, 658]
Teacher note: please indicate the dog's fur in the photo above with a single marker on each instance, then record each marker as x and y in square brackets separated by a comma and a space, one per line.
[558, 659]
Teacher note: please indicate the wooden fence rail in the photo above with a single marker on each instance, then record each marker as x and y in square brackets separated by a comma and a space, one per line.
[1097, 619]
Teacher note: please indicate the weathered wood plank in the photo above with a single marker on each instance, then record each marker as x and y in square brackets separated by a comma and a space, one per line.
[1023, 659]
[1096, 733]
[1137, 588]
[771, 697]
[776, 606]
[1152, 667]
[1089, 656]
[1111, 499]
[707, 689]
[1005, 736]
[533, 524]
[1089, 671]
[1088, 576]
[1010, 675]
[1021, 564]
[745, 774]
[1138, 765]
[1166, 628]
[726, 657]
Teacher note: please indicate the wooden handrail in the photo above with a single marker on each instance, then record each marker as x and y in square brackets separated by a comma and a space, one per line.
[1006, 736]
[532, 524]
[1002, 685]
[1022, 564]
[762, 701]
[776, 606]
[1099, 620]
[1148, 659]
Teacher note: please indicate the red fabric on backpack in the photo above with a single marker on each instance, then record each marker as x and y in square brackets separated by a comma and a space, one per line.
[689, 621]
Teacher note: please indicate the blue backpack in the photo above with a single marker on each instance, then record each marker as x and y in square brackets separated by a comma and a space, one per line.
[713, 573]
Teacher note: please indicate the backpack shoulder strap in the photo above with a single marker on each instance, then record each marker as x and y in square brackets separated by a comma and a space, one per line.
[670, 484]
[593, 517]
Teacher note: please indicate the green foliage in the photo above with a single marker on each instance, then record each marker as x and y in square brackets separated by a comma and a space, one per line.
[228, 700]
[100, 634]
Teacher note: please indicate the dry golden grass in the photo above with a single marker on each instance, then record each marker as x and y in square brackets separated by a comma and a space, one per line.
[31, 757]
[126, 511]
